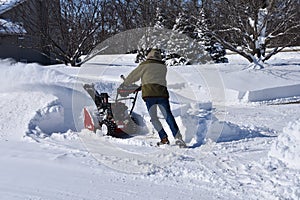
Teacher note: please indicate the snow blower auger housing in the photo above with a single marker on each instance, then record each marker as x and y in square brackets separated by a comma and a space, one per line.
[112, 118]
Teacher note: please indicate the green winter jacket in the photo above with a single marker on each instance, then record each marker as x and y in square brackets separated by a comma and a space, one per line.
[153, 76]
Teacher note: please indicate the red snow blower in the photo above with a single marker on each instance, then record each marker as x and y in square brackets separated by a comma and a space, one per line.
[112, 118]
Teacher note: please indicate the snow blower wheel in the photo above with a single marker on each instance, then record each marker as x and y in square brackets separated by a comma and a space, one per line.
[108, 127]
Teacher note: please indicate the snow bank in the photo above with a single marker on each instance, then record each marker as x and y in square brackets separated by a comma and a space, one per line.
[279, 79]
[273, 93]
[287, 146]
[15, 74]
[43, 96]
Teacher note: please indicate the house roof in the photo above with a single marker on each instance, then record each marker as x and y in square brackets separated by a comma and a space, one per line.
[10, 28]
[6, 26]
[6, 5]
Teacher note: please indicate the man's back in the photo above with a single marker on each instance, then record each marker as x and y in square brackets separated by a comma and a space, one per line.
[153, 79]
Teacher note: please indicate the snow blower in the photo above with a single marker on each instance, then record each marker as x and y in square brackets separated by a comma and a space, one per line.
[112, 118]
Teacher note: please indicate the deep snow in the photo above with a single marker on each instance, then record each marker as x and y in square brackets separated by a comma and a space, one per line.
[242, 127]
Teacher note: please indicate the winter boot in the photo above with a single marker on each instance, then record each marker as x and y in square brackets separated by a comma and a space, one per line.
[163, 141]
[179, 141]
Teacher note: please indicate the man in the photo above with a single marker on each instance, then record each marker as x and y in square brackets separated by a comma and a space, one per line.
[152, 73]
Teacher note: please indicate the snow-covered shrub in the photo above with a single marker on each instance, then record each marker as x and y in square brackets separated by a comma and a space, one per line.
[217, 53]
[287, 146]
[171, 59]
[181, 45]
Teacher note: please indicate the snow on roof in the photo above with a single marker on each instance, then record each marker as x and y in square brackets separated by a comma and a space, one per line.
[10, 28]
[6, 5]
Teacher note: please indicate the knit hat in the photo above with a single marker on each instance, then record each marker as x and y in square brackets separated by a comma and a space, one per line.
[154, 54]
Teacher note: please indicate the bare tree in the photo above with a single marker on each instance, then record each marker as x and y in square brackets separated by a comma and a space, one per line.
[248, 27]
[78, 29]
[68, 29]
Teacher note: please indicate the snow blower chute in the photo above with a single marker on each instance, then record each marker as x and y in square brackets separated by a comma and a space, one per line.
[112, 118]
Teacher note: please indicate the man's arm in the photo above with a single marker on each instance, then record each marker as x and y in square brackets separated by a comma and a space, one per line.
[134, 76]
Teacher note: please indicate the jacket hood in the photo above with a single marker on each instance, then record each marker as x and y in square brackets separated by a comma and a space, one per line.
[154, 54]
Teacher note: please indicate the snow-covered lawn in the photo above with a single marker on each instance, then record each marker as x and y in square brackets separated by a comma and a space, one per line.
[242, 126]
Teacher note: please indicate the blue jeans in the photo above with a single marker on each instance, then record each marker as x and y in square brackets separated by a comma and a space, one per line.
[164, 106]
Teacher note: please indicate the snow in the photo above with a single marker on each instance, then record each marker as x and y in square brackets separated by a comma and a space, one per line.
[8, 27]
[6, 5]
[242, 126]
[287, 148]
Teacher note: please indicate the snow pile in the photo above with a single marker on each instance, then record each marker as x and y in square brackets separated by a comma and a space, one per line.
[43, 96]
[287, 147]
[272, 82]
[16, 74]
[272, 93]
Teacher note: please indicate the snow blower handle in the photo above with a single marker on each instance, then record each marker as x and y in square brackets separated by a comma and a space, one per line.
[126, 90]
[122, 77]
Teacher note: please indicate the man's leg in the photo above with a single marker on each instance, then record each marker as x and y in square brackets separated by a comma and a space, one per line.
[167, 113]
[166, 110]
[151, 104]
